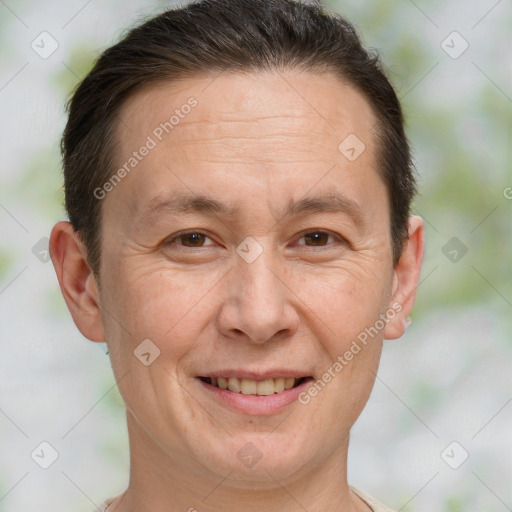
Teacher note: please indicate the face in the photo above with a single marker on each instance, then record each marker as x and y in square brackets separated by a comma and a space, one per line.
[247, 245]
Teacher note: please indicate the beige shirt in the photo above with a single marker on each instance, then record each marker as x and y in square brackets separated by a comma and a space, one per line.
[374, 504]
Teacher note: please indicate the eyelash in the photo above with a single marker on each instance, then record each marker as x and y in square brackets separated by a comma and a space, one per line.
[172, 241]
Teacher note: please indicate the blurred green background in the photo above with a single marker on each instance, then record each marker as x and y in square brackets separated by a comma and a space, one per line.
[448, 379]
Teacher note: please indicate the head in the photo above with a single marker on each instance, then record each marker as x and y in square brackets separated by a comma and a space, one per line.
[238, 184]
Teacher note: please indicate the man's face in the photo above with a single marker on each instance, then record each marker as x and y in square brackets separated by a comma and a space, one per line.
[267, 285]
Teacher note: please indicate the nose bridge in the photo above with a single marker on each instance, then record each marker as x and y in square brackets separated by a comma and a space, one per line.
[259, 281]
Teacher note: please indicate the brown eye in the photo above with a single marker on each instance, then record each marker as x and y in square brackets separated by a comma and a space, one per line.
[316, 238]
[193, 239]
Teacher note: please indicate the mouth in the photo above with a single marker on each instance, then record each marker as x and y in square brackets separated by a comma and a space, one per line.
[253, 393]
[265, 387]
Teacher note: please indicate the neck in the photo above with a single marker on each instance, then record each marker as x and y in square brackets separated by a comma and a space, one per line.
[159, 481]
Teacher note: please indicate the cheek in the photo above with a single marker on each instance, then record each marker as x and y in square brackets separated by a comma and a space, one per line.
[345, 301]
[164, 306]
[344, 312]
[347, 310]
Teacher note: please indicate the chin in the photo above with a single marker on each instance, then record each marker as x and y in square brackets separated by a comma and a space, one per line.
[255, 458]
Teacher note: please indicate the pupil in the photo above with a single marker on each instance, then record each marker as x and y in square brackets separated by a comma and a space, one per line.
[317, 237]
[193, 238]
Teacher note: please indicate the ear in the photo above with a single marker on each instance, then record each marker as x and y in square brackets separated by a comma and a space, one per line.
[77, 281]
[406, 278]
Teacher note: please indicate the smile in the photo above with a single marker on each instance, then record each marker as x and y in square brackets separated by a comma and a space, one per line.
[253, 387]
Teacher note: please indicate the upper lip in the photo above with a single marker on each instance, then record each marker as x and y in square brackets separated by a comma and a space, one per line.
[256, 375]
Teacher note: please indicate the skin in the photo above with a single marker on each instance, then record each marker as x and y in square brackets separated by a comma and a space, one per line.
[254, 141]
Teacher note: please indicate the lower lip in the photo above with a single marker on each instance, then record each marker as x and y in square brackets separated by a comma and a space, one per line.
[256, 405]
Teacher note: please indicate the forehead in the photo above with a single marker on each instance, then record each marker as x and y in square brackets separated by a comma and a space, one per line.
[292, 102]
[282, 129]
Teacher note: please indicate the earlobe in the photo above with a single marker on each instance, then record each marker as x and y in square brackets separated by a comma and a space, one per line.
[406, 278]
[77, 281]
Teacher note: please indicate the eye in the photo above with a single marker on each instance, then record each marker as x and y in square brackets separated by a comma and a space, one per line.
[197, 239]
[192, 239]
[317, 238]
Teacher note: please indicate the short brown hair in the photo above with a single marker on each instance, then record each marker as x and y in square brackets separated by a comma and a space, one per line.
[212, 36]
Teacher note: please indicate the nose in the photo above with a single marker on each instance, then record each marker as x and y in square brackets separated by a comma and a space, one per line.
[258, 304]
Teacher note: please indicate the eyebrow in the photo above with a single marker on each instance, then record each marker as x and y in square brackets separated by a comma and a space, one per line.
[333, 202]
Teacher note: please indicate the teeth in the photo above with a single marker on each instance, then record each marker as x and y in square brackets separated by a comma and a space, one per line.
[279, 385]
[266, 387]
[288, 383]
[253, 387]
[234, 385]
[248, 387]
